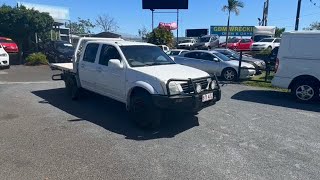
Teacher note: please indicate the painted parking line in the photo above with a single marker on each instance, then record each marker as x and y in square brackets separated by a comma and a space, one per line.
[35, 82]
[3, 72]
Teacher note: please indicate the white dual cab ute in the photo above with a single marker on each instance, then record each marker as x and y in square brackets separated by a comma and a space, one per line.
[139, 75]
[298, 65]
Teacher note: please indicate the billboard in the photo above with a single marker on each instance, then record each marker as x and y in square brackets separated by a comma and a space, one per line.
[165, 4]
[233, 30]
[196, 32]
[59, 14]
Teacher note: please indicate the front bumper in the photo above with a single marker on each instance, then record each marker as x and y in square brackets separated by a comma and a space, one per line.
[258, 48]
[247, 73]
[4, 61]
[186, 103]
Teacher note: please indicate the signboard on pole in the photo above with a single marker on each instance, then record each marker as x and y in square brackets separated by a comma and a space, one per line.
[233, 30]
[165, 4]
[196, 32]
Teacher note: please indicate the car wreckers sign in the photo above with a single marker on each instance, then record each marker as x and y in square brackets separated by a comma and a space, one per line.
[233, 30]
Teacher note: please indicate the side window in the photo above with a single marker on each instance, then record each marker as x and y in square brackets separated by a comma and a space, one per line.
[194, 55]
[243, 41]
[206, 56]
[277, 40]
[108, 52]
[248, 40]
[90, 52]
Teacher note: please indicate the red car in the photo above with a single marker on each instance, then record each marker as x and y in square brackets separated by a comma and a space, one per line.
[239, 44]
[9, 45]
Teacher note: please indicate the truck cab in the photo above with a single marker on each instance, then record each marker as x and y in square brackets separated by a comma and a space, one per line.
[141, 76]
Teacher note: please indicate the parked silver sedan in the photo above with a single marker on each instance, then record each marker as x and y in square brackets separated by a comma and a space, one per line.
[216, 63]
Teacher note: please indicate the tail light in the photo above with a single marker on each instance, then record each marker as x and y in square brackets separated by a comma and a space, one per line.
[277, 65]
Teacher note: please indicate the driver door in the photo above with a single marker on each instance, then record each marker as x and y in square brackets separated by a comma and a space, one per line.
[209, 63]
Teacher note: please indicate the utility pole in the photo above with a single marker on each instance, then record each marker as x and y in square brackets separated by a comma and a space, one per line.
[267, 13]
[298, 15]
[263, 14]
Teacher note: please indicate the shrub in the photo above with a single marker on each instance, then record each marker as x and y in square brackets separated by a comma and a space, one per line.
[35, 59]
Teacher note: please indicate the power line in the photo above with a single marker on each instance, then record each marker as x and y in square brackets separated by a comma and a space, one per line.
[282, 19]
[315, 3]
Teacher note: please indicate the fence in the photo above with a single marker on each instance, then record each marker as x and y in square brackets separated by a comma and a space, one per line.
[268, 70]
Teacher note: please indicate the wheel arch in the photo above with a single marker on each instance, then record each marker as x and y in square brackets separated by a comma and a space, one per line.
[302, 78]
[136, 87]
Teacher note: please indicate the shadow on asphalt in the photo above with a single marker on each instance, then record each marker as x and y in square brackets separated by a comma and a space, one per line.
[112, 115]
[275, 98]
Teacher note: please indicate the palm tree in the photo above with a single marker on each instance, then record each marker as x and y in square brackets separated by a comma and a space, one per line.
[233, 6]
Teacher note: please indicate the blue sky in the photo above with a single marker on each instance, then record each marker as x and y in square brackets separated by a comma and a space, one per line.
[201, 13]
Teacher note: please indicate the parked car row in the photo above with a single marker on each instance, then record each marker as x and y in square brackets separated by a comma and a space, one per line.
[215, 63]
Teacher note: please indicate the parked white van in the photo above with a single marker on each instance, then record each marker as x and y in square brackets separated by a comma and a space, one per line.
[298, 65]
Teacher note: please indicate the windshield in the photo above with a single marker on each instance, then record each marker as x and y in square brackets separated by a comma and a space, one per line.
[187, 41]
[205, 39]
[65, 48]
[174, 53]
[139, 56]
[233, 40]
[267, 40]
[6, 41]
[222, 57]
[258, 38]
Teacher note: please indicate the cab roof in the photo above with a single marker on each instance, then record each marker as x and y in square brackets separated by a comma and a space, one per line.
[123, 43]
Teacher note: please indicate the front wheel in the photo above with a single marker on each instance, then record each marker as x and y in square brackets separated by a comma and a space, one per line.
[305, 91]
[229, 74]
[143, 112]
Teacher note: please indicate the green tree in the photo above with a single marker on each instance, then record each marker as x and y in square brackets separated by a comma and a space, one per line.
[21, 24]
[313, 26]
[160, 36]
[82, 26]
[279, 31]
[232, 7]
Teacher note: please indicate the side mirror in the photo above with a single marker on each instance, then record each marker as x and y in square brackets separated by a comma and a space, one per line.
[216, 59]
[115, 63]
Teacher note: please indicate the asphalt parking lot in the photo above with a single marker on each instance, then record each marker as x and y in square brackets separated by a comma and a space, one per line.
[251, 133]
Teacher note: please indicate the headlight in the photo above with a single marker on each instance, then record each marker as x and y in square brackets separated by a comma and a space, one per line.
[198, 88]
[213, 85]
[175, 88]
[3, 55]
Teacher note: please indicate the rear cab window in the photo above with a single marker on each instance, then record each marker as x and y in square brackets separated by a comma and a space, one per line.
[90, 53]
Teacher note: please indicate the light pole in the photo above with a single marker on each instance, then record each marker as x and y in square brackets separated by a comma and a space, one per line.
[298, 15]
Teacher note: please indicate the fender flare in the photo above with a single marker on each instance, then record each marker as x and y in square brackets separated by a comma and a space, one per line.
[139, 84]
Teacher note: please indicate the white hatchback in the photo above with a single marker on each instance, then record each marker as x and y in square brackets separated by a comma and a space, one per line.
[4, 58]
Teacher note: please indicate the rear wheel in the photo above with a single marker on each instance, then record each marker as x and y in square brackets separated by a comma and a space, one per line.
[71, 86]
[305, 90]
[143, 112]
[229, 74]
